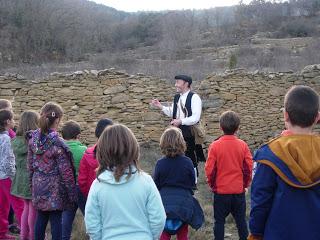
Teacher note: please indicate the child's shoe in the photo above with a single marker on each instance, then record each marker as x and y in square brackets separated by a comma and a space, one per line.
[14, 229]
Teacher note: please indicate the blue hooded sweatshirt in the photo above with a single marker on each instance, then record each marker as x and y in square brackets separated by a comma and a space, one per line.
[128, 209]
[285, 192]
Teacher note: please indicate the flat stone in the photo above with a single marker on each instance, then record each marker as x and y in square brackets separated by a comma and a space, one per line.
[115, 89]
[151, 116]
[120, 98]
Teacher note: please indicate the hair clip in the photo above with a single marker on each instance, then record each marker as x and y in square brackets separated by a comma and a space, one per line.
[53, 114]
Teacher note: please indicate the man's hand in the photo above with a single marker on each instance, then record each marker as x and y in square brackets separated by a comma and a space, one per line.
[176, 122]
[156, 103]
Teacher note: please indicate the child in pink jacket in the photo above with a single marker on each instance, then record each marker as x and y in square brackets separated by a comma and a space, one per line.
[7, 171]
[89, 163]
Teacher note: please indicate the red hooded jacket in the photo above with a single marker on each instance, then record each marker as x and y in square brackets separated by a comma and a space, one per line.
[87, 170]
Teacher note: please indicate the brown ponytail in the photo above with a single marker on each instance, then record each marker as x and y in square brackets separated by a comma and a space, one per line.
[48, 114]
[117, 150]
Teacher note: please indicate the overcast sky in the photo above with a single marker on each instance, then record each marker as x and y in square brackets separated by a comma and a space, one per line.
[158, 5]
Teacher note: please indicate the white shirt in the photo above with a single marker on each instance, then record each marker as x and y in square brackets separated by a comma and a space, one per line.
[196, 106]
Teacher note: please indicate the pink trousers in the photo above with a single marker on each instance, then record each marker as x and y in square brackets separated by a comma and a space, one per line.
[28, 220]
[5, 200]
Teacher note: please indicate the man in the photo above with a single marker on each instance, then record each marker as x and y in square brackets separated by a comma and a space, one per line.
[185, 112]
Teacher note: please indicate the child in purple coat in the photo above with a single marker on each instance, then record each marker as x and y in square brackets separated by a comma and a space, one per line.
[52, 173]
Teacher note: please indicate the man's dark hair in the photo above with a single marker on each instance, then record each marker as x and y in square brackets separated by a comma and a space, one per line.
[70, 130]
[101, 125]
[229, 122]
[302, 105]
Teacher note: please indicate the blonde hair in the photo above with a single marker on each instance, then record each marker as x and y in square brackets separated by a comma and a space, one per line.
[29, 120]
[172, 142]
[117, 150]
[48, 114]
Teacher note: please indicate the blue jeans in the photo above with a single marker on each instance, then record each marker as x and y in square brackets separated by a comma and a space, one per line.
[69, 215]
[41, 223]
[223, 205]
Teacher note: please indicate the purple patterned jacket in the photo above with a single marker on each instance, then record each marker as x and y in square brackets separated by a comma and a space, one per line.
[52, 174]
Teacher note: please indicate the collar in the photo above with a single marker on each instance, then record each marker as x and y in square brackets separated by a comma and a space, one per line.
[185, 94]
[228, 137]
[73, 142]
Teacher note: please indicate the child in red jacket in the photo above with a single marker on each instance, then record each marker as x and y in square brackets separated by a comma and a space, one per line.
[89, 163]
[228, 170]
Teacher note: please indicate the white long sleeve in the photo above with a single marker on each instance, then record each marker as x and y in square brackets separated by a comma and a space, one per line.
[168, 110]
[196, 107]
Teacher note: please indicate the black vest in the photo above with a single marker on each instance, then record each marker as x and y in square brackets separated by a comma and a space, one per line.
[187, 104]
[186, 131]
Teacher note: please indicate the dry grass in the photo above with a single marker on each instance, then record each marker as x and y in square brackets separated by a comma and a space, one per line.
[149, 156]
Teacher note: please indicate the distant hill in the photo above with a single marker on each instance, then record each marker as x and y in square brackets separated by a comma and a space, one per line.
[34, 31]
[39, 36]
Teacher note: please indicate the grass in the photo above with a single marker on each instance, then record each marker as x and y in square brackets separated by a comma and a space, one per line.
[149, 156]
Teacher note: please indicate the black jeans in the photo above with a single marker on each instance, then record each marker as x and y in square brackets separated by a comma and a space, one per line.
[191, 146]
[199, 153]
[223, 205]
[43, 217]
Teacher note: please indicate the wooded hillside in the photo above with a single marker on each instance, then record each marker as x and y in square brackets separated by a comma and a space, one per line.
[65, 31]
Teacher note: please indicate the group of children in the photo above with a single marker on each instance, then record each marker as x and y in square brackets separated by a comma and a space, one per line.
[45, 177]
[39, 171]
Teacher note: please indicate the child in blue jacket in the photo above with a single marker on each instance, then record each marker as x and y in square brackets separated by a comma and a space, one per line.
[123, 201]
[174, 176]
[285, 192]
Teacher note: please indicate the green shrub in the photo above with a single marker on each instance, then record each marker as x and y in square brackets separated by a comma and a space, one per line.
[232, 61]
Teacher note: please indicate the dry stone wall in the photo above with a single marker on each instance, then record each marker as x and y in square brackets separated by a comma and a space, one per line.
[87, 96]
[257, 97]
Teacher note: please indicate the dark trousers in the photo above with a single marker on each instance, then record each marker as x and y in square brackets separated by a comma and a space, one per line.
[41, 223]
[223, 205]
[191, 145]
[190, 152]
[69, 215]
[199, 153]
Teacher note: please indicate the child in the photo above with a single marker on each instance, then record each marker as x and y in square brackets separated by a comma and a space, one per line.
[51, 172]
[123, 202]
[228, 170]
[89, 163]
[7, 170]
[70, 132]
[285, 193]
[175, 187]
[13, 228]
[20, 188]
